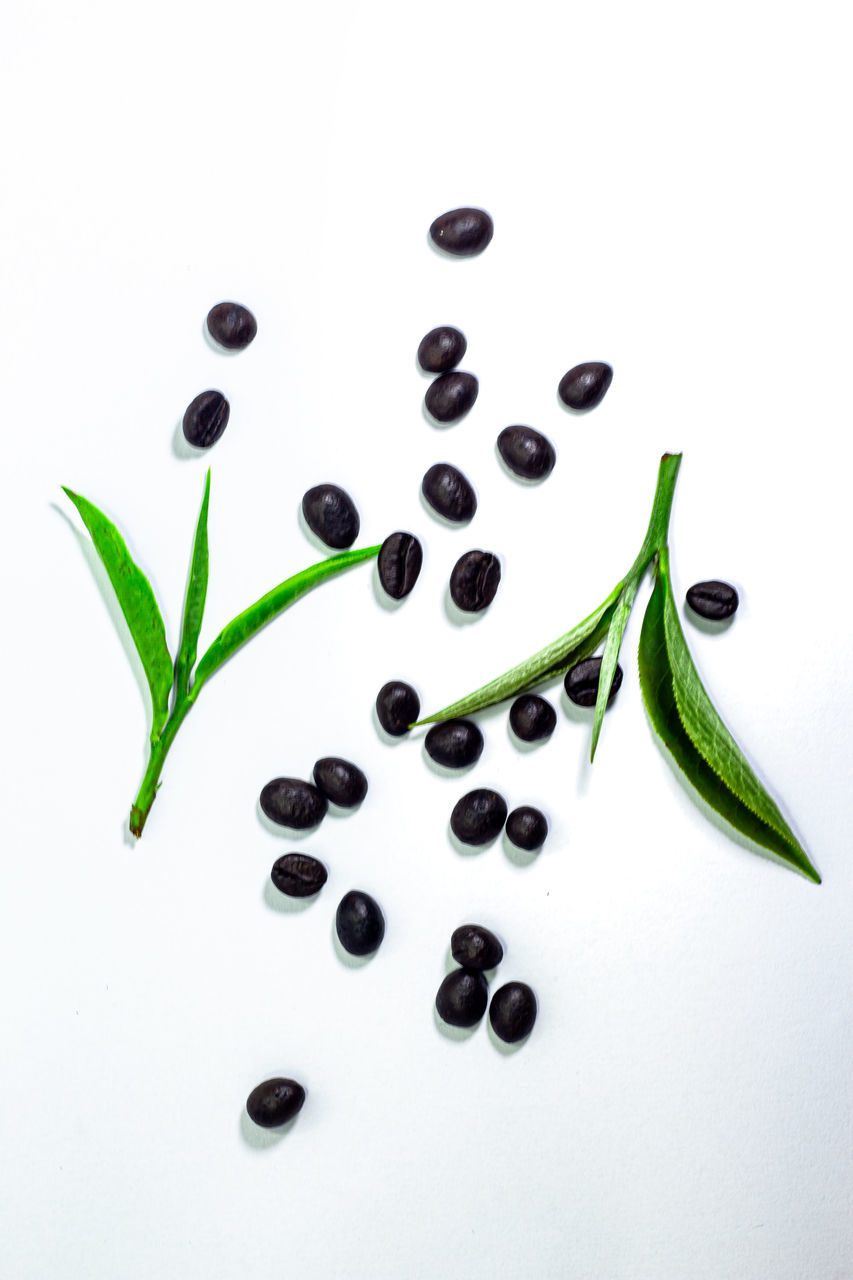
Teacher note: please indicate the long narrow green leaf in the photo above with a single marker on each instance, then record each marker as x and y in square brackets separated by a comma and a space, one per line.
[196, 596]
[621, 614]
[138, 604]
[657, 682]
[250, 621]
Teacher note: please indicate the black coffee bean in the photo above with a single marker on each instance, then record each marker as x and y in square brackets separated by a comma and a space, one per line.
[478, 817]
[275, 1102]
[397, 706]
[462, 998]
[585, 386]
[474, 580]
[512, 1012]
[714, 600]
[441, 349]
[231, 325]
[399, 563]
[526, 452]
[475, 947]
[449, 492]
[531, 718]
[298, 875]
[360, 923]
[451, 395]
[330, 513]
[293, 803]
[340, 781]
[454, 743]
[205, 418]
[462, 232]
[581, 682]
[527, 827]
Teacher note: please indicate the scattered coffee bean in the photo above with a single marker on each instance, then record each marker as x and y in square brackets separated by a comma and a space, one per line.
[462, 232]
[397, 707]
[449, 492]
[714, 600]
[585, 386]
[454, 743]
[441, 349]
[293, 803]
[205, 418]
[298, 875]
[478, 817]
[527, 452]
[231, 325]
[475, 947]
[340, 781]
[527, 827]
[581, 682]
[399, 563]
[275, 1102]
[512, 1012]
[330, 514]
[474, 580]
[462, 998]
[532, 718]
[451, 395]
[360, 923]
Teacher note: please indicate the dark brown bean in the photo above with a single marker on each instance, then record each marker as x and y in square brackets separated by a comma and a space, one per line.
[512, 1012]
[462, 232]
[474, 580]
[359, 923]
[330, 514]
[527, 452]
[231, 325]
[462, 998]
[298, 875]
[475, 947]
[450, 396]
[454, 743]
[478, 817]
[449, 492]
[441, 349]
[527, 828]
[581, 682]
[713, 600]
[275, 1102]
[397, 707]
[293, 803]
[532, 718]
[399, 564]
[585, 386]
[340, 781]
[205, 419]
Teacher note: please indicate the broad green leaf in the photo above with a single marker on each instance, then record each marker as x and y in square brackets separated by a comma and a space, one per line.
[138, 604]
[658, 684]
[621, 614]
[250, 621]
[194, 603]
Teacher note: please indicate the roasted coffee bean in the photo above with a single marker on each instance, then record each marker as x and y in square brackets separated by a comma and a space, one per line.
[449, 492]
[205, 418]
[360, 923]
[330, 513]
[462, 232]
[454, 743]
[397, 707]
[478, 817]
[475, 947]
[451, 395]
[512, 1012]
[275, 1102]
[531, 718]
[293, 803]
[714, 600]
[586, 385]
[527, 827]
[340, 781]
[298, 875]
[526, 452]
[474, 580]
[462, 998]
[441, 349]
[231, 325]
[400, 560]
[581, 682]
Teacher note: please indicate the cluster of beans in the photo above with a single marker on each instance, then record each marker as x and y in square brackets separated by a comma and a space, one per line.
[462, 998]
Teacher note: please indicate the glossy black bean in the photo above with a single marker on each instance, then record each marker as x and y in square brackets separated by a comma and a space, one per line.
[512, 1012]
[231, 325]
[400, 559]
[585, 386]
[359, 923]
[330, 513]
[454, 743]
[713, 600]
[340, 781]
[532, 718]
[479, 816]
[527, 827]
[275, 1102]
[449, 492]
[474, 581]
[441, 349]
[462, 998]
[397, 707]
[462, 232]
[298, 875]
[527, 452]
[476, 947]
[581, 682]
[293, 803]
[205, 419]
[451, 395]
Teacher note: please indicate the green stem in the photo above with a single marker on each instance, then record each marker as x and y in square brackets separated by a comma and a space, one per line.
[141, 806]
[658, 530]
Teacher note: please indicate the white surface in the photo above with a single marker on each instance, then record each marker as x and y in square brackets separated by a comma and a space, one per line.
[669, 190]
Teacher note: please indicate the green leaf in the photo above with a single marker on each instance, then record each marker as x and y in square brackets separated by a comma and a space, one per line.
[250, 621]
[621, 614]
[138, 604]
[194, 603]
[665, 664]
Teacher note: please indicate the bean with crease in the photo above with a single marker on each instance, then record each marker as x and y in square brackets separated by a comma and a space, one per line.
[291, 802]
[298, 875]
[399, 564]
[205, 419]
[474, 580]
[713, 600]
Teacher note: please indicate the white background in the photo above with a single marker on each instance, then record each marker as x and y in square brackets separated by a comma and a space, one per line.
[669, 190]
